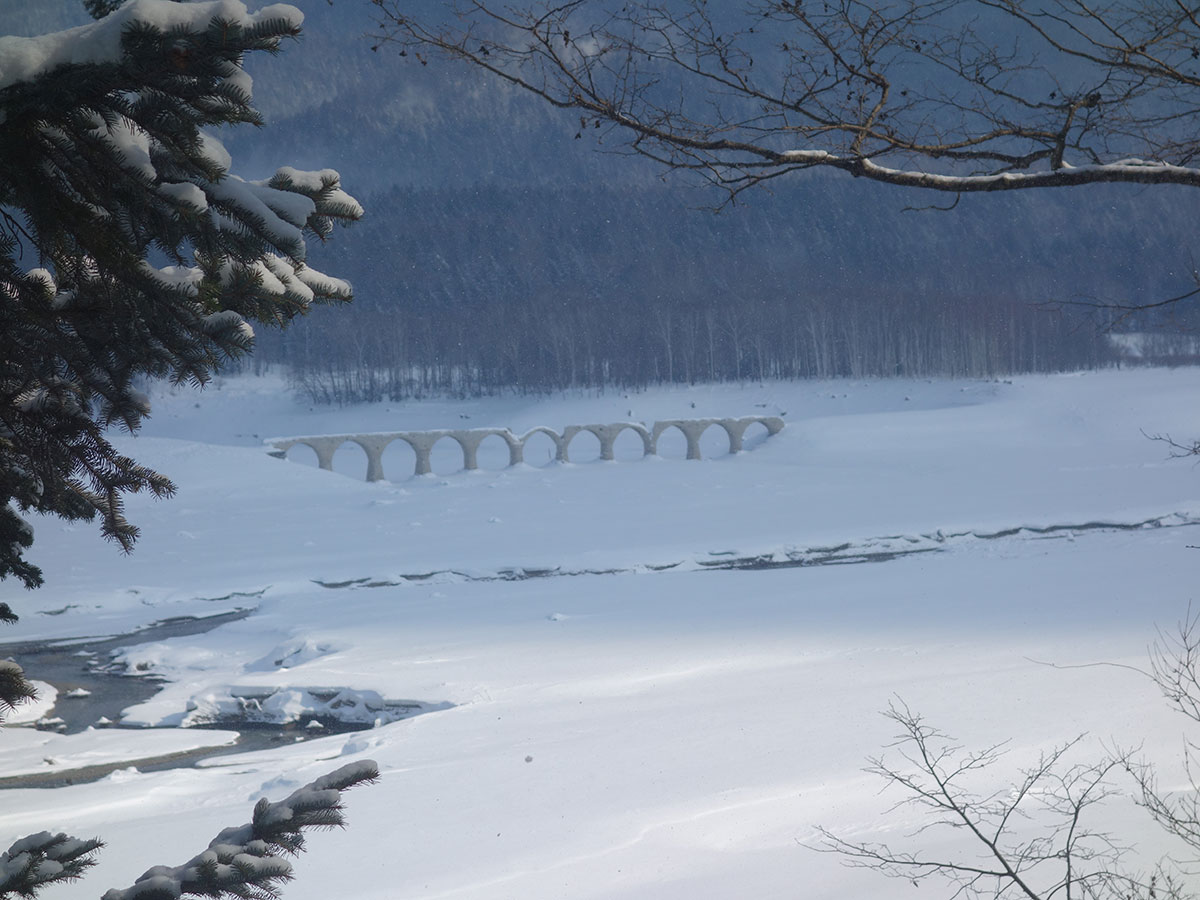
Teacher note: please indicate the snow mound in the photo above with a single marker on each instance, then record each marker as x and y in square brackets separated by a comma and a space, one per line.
[284, 706]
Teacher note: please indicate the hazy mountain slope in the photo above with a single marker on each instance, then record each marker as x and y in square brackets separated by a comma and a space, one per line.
[478, 196]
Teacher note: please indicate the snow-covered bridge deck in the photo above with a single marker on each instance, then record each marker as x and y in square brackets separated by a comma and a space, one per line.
[422, 442]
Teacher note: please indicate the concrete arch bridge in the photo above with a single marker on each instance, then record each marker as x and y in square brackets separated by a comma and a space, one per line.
[469, 439]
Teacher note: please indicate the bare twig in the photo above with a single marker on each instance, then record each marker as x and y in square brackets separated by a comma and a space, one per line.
[1031, 840]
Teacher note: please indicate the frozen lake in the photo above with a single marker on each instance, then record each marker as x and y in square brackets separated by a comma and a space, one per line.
[684, 692]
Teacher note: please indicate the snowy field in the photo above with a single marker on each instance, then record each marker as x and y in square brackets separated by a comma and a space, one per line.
[635, 722]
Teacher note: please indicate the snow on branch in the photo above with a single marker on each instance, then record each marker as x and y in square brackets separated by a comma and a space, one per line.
[110, 161]
[25, 59]
[1016, 95]
[247, 861]
[245, 206]
[43, 859]
[324, 189]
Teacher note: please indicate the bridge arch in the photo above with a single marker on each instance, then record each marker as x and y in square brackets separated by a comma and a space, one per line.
[717, 439]
[324, 446]
[615, 431]
[573, 431]
[422, 445]
[498, 449]
[632, 441]
[352, 458]
[448, 454]
[670, 439]
[691, 428]
[470, 440]
[398, 459]
[560, 449]
[305, 455]
[737, 429]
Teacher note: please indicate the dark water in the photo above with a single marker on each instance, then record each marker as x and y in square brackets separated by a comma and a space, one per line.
[74, 664]
[86, 664]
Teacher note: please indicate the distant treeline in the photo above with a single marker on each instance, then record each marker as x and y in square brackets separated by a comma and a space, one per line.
[539, 345]
[475, 290]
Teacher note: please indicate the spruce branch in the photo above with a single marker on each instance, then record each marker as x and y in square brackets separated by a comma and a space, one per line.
[43, 859]
[14, 688]
[107, 164]
[247, 862]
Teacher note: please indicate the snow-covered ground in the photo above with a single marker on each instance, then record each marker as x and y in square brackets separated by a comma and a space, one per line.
[633, 723]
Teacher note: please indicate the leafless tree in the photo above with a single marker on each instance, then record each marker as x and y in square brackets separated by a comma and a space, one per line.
[953, 96]
[1035, 838]
[947, 95]
[1175, 668]
[1029, 840]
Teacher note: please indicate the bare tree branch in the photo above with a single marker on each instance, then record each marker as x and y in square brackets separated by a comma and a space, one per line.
[955, 96]
[1031, 840]
[983, 95]
[1178, 450]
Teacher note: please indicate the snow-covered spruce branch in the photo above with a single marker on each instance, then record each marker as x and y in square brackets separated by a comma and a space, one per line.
[108, 159]
[248, 861]
[14, 688]
[245, 862]
[43, 859]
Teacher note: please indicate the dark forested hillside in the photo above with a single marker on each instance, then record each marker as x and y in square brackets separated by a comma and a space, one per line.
[500, 249]
[541, 287]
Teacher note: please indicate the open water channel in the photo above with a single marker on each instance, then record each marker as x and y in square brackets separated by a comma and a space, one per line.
[84, 665]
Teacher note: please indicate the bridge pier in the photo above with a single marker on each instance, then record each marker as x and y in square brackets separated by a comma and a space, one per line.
[422, 443]
[373, 447]
[691, 429]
